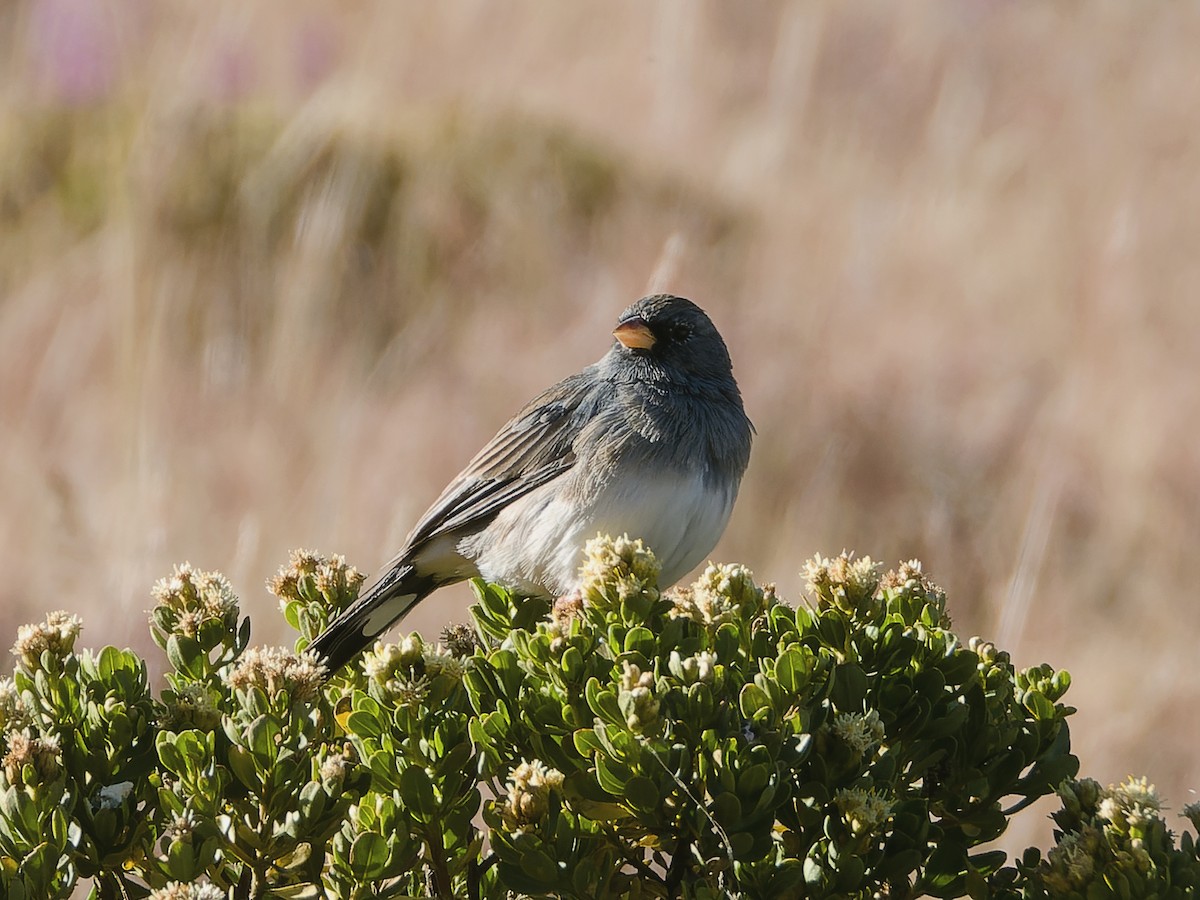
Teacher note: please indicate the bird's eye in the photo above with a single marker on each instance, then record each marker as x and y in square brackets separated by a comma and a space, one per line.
[681, 333]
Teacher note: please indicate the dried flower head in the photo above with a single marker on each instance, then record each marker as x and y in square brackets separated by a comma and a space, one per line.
[332, 769]
[529, 788]
[560, 624]
[1130, 806]
[565, 611]
[907, 576]
[275, 669]
[31, 760]
[57, 635]
[381, 661]
[409, 691]
[392, 668]
[616, 569]
[908, 580]
[864, 810]
[1071, 863]
[1107, 834]
[384, 661]
[460, 639]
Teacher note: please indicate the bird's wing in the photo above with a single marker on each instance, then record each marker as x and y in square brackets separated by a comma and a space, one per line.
[536, 446]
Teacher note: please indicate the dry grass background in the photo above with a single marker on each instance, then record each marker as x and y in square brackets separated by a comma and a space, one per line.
[270, 274]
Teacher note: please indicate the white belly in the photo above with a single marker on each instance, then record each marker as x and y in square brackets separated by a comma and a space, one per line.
[536, 544]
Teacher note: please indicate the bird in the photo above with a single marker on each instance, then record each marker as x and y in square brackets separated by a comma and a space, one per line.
[651, 441]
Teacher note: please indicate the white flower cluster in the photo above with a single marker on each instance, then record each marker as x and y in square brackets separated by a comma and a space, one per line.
[615, 569]
[864, 810]
[636, 698]
[195, 597]
[275, 669]
[843, 581]
[722, 593]
[176, 890]
[860, 732]
[57, 634]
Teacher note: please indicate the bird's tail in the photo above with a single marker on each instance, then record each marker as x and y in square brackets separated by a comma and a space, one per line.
[373, 613]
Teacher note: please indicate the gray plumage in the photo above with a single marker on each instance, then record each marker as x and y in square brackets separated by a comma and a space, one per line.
[650, 441]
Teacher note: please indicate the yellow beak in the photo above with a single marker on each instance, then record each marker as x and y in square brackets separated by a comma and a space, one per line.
[635, 334]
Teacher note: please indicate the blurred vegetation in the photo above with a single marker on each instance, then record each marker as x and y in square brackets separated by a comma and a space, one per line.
[368, 225]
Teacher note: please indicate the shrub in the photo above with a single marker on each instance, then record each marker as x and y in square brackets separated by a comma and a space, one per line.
[712, 741]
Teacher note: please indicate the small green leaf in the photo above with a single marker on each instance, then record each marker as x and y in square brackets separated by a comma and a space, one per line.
[572, 663]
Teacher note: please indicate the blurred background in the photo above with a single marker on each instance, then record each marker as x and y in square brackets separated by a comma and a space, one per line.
[271, 273]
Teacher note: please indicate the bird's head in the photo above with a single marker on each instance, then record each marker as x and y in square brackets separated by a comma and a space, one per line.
[671, 335]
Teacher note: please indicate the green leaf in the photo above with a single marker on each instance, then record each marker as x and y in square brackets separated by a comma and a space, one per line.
[727, 642]
[586, 742]
[169, 753]
[751, 699]
[364, 724]
[849, 687]
[640, 639]
[369, 856]
[752, 782]
[960, 667]
[572, 663]
[241, 763]
[186, 656]
[612, 776]
[416, 788]
[262, 738]
[181, 861]
[303, 891]
[726, 809]
[538, 865]
[793, 669]
[1037, 703]
[603, 702]
[642, 793]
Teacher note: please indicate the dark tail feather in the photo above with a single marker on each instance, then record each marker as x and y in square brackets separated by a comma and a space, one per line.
[373, 613]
